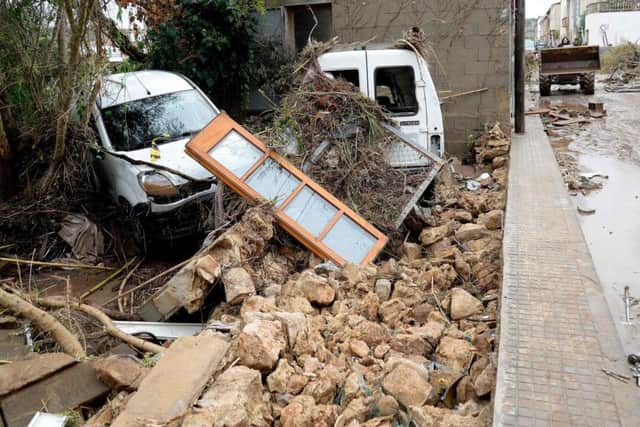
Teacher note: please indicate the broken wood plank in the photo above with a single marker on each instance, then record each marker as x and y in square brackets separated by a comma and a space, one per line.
[540, 111]
[66, 389]
[176, 382]
[559, 116]
[570, 122]
[21, 373]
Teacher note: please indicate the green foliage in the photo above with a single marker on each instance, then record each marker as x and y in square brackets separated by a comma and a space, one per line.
[211, 42]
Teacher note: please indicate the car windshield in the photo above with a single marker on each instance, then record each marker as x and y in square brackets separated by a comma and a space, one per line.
[133, 125]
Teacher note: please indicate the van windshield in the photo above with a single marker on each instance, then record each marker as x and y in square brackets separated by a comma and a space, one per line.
[133, 125]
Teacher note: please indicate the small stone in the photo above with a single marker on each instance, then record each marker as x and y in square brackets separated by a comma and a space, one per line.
[119, 373]
[411, 344]
[383, 289]
[432, 331]
[238, 285]
[411, 251]
[260, 344]
[392, 312]
[486, 381]
[406, 385]
[380, 351]
[492, 220]
[455, 353]
[471, 232]
[463, 304]
[387, 405]
[431, 235]
[499, 162]
[359, 348]
[285, 379]
[316, 289]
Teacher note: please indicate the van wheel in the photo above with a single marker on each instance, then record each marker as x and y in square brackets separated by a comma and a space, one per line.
[588, 84]
[545, 86]
[135, 225]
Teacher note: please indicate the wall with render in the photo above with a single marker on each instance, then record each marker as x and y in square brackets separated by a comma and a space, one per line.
[620, 27]
[470, 45]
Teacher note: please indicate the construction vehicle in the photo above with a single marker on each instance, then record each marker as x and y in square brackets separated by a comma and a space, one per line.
[569, 65]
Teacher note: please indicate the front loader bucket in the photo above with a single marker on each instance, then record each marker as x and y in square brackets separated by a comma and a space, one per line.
[570, 60]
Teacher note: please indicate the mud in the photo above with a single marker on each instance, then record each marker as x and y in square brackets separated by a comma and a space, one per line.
[610, 146]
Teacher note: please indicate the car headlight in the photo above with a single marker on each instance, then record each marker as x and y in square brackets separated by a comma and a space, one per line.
[156, 184]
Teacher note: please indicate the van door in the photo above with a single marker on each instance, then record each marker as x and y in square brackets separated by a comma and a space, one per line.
[396, 83]
[350, 66]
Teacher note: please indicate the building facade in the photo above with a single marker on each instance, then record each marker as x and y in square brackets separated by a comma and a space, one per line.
[470, 44]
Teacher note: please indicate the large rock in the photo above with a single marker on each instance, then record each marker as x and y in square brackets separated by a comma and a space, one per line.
[492, 220]
[411, 251]
[471, 232]
[463, 304]
[234, 399]
[260, 344]
[120, 372]
[175, 382]
[238, 285]
[359, 348]
[455, 353]
[392, 312]
[407, 384]
[411, 344]
[431, 331]
[431, 235]
[316, 289]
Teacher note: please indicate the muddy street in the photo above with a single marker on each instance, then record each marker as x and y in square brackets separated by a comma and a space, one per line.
[609, 216]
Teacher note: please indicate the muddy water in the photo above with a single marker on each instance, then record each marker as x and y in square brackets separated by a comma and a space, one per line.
[612, 146]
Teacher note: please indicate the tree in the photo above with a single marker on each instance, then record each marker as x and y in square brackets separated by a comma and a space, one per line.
[212, 42]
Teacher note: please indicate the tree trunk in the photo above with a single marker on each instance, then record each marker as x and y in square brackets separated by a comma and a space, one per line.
[123, 43]
[7, 184]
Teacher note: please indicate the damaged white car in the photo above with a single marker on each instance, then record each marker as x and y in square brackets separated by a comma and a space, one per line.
[145, 118]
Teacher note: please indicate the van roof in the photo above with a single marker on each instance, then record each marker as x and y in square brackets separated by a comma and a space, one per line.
[366, 46]
[126, 87]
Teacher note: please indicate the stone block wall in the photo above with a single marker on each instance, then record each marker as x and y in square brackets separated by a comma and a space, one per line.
[470, 50]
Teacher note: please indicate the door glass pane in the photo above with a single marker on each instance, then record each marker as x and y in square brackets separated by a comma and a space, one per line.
[396, 90]
[352, 76]
[272, 182]
[235, 153]
[349, 240]
[311, 211]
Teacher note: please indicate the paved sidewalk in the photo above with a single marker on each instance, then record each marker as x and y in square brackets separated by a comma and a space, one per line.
[556, 331]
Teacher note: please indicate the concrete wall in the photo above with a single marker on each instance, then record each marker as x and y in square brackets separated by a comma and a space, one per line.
[471, 46]
[621, 27]
[555, 20]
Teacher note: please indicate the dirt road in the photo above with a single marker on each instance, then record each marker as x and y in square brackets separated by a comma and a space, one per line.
[612, 146]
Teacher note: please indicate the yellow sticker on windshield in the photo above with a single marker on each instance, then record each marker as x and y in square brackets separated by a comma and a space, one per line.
[154, 154]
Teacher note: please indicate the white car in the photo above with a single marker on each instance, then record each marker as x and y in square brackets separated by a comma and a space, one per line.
[150, 116]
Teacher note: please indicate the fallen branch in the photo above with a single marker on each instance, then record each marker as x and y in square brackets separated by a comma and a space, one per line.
[54, 264]
[146, 282]
[108, 278]
[110, 328]
[45, 322]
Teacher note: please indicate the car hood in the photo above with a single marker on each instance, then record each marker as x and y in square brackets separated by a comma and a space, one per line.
[172, 155]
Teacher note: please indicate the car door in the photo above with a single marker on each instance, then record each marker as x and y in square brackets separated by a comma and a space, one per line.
[396, 83]
[350, 66]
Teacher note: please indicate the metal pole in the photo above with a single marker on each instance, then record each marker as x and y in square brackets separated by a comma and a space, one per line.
[519, 65]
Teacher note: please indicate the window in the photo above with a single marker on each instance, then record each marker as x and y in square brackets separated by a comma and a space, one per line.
[302, 22]
[306, 210]
[396, 90]
[352, 76]
[133, 125]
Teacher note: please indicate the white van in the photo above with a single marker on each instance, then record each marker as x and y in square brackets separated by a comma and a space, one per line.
[399, 80]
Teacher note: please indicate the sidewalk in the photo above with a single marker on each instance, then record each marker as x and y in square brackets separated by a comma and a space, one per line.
[556, 332]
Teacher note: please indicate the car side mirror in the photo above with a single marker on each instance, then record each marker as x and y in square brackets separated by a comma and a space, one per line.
[99, 155]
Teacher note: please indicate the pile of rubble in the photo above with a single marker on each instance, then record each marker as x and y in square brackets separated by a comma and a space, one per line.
[626, 73]
[562, 122]
[408, 340]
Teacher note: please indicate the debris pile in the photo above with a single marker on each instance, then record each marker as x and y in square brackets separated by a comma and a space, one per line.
[624, 61]
[562, 122]
[407, 339]
[334, 134]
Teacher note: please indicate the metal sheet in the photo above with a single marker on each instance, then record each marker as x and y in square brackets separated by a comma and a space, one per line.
[161, 330]
[42, 419]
